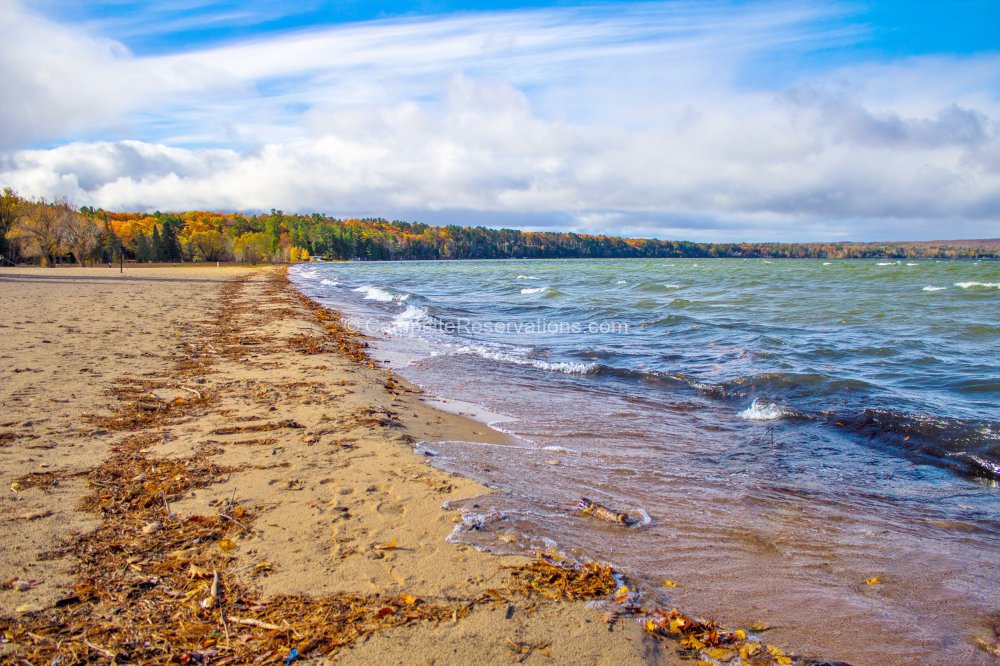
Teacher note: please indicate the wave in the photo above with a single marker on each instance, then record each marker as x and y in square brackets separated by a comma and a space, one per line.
[970, 447]
[978, 285]
[657, 287]
[967, 446]
[381, 295]
[528, 277]
[933, 288]
[535, 290]
[501, 356]
[329, 283]
[762, 410]
[410, 321]
[887, 263]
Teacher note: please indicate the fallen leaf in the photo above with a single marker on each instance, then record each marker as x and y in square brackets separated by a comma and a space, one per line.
[740, 634]
[389, 546]
[184, 552]
[409, 599]
[227, 545]
[16, 487]
[693, 643]
[669, 583]
[382, 612]
[779, 656]
[874, 580]
[720, 653]
[760, 626]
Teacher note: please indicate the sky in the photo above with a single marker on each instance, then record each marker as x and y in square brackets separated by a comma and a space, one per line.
[706, 121]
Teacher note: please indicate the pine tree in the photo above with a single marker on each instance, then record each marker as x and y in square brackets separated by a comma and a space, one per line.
[156, 243]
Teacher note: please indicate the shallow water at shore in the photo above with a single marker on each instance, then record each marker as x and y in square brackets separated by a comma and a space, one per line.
[791, 429]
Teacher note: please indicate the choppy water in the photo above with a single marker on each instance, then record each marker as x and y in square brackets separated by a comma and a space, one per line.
[790, 428]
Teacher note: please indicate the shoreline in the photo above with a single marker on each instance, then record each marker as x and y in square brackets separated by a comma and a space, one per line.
[339, 507]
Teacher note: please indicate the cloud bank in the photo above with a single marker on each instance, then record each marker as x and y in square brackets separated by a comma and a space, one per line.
[670, 120]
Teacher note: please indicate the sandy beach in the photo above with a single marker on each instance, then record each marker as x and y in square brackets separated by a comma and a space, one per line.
[206, 450]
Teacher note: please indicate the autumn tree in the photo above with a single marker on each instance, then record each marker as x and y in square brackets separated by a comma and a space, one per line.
[209, 246]
[82, 238]
[251, 247]
[42, 228]
[9, 202]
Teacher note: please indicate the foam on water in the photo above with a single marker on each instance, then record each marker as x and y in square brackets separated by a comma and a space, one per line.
[410, 321]
[560, 449]
[377, 294]
[933, 288]
[528, 277]
[980, 285]
[762, 410]
[329, 283]
[535, 290]
[505, 356]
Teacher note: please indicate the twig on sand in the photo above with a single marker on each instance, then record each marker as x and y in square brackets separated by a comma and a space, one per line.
[107, 653]
[253, 622]
[190, 390]
[245, 528]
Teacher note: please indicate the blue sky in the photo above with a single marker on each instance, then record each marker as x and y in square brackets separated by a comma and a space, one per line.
[698, 120]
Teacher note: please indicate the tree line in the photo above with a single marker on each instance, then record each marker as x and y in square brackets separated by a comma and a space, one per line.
[52, 232]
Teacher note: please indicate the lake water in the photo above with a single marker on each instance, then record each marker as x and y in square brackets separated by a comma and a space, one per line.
[781, 430]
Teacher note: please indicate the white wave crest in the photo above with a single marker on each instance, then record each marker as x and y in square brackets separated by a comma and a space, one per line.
[933, 288]
[982, 285]
[762, 410]
[329, 283]
[536, 290]
[501, 356]
[376, 294]
[528, 277]
[560, 449]
[411, 320]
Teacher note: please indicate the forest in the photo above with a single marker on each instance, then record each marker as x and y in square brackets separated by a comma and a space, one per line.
[51, 233]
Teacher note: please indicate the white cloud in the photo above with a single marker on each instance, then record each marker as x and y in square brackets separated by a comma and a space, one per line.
[635, 121]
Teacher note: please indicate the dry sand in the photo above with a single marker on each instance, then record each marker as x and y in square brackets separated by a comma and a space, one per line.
[326, 497]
